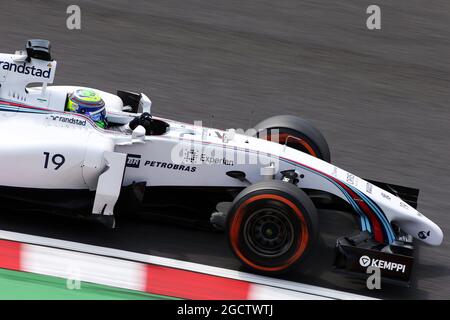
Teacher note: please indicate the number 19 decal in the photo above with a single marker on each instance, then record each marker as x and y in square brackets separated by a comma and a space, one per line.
[57, 160]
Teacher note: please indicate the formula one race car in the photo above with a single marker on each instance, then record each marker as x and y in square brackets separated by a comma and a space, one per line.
[260, 187]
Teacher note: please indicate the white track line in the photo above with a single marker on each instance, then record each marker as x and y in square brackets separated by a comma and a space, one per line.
[196, 267]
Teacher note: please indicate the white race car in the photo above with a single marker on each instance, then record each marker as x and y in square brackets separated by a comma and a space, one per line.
[262, 188]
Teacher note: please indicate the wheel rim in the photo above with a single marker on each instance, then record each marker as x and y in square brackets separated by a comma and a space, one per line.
[269, 232]
[237, 234]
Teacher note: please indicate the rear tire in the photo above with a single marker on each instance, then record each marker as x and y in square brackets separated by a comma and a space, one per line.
[296, 133]
[272, 226]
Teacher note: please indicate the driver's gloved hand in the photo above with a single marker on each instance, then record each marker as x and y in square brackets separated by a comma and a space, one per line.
[144, 120]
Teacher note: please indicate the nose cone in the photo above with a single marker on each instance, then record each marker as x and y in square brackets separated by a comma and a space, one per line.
[433, 237]
[412, 221]
[424, 229]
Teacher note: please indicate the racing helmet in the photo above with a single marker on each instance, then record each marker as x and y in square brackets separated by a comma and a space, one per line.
[89, 103]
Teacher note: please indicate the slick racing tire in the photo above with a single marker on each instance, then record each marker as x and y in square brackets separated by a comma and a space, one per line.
[296, 133]
[272, 226]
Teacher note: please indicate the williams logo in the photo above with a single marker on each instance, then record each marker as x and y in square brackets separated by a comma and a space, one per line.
[24, 69]
[423, 234]
[133, 160]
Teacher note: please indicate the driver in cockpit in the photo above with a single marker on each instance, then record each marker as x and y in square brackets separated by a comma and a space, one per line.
[89, 103]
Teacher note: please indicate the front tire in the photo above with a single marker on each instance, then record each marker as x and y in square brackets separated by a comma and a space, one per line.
[296, 133]
[272, 226]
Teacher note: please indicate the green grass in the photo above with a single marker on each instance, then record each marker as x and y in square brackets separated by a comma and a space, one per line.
[16, 285]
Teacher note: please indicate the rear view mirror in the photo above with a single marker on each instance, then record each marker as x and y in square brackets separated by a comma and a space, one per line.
[145, 104]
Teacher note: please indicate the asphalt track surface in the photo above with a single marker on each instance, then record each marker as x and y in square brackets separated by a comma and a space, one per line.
[381, 98]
